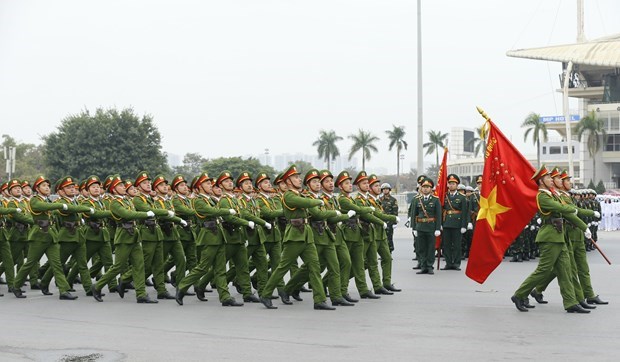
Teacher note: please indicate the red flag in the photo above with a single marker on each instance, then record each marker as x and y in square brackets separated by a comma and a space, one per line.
[442, 186]
[507, 204]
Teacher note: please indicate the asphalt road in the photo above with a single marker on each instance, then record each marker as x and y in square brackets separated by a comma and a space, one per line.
[444, 317]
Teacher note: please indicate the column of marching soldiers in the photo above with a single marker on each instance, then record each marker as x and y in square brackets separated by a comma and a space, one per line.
[209, 232]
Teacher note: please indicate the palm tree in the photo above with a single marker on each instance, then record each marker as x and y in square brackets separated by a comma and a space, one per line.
[595, 128]
[537, 128]
[479, 142]
[396, 137]
[326, 146]
[437, 140]
[363, 141]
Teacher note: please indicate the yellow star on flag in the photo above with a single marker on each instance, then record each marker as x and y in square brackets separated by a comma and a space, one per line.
[490, 208]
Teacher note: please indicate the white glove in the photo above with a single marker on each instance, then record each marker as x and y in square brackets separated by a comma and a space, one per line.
[322, 202]
[183, 222]
[170, 213]
[251, 224]
[339, 223]
[437, 232]
[65, 207]
[597, 214]
[415, 233]
[92, 211]
[232, 211]
[539, 221]
[351, 213]
[470, 226]
[268, 226]
[372, 208]
[394, 226]
[576, 211]
[532, 227]
[397, 220]
[384, 225]
[18, 210]
[463, 230]
[338, 213]
[150, 213]
[589, 224]
[587, 234]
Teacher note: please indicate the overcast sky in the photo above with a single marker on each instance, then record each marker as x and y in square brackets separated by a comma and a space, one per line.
[227, 78]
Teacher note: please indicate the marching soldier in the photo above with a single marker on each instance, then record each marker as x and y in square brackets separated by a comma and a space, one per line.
[426, 224]
[455, 224]
[5, 248]
[183, 208]
[390, 207]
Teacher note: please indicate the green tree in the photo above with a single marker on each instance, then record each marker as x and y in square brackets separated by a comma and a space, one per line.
[432, 172]
[109, 141]
[396, 136]
[537, 128]
[595, 130]
[29, 161]
[192, 165]
[591, 185]
[478, 142]
[326, 146]
[600, 187]
[236, 165]
[436, 141]
[363, 141]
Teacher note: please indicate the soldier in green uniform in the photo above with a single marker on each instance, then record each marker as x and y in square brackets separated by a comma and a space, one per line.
[71, 244]
[127, 240]
[173, 248]
[235, 236]
[553, 249]
[280, 189]
[13, 214]
[337, 228]
[43, 239]
[151, 234]
[183, 208]
[455, 223]
[416, 254]
[298, 241]
[390, 207]
[352, 234]
[257, 256]
[210, 241]
[383, 247]
[473, 205]
[324, 240]
[426, 225]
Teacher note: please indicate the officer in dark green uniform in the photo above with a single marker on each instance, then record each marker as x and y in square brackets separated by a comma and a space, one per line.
[455, 222]
[43, 239]
[183, 209]
[426, 225]
[390, 207]
[298, 241]
[553, 249]
[410, 215]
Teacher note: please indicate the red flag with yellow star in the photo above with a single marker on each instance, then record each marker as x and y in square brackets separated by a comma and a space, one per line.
[507, 204]
[442, 186]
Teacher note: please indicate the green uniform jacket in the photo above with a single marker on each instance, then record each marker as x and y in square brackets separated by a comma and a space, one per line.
[233, 234]
[251, 212]
[95, 228]
[351, 227]
[295, 206]
[419, 217]
[70, 216]
[550, 207]
[41, 209]
[124, 211]
[167, 223]
[368, 220]
[380, 233]
[270, 211]
[15, 231]
[456, 214]
[145, 203]
[474, 207]
[322, 215]
[573, 233]
[208, 212]
[183, 208]
[389, 204]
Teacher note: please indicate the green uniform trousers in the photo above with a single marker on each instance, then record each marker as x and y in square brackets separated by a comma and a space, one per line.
[189, 250]
[100, 250]
[237, 254]
[553, 256]
[308, 253]
[212, 257]
[174, 249]
[36, 249]
[328, 258]
[125, 253]
[344, 261]
[257, 259]
[7, 260]
[372, 264]
[426, 249]
[451, 245]
[78, 251]
[383, 248]
[356, 252]
[154, 264]
[19, 249]
[274, 252]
